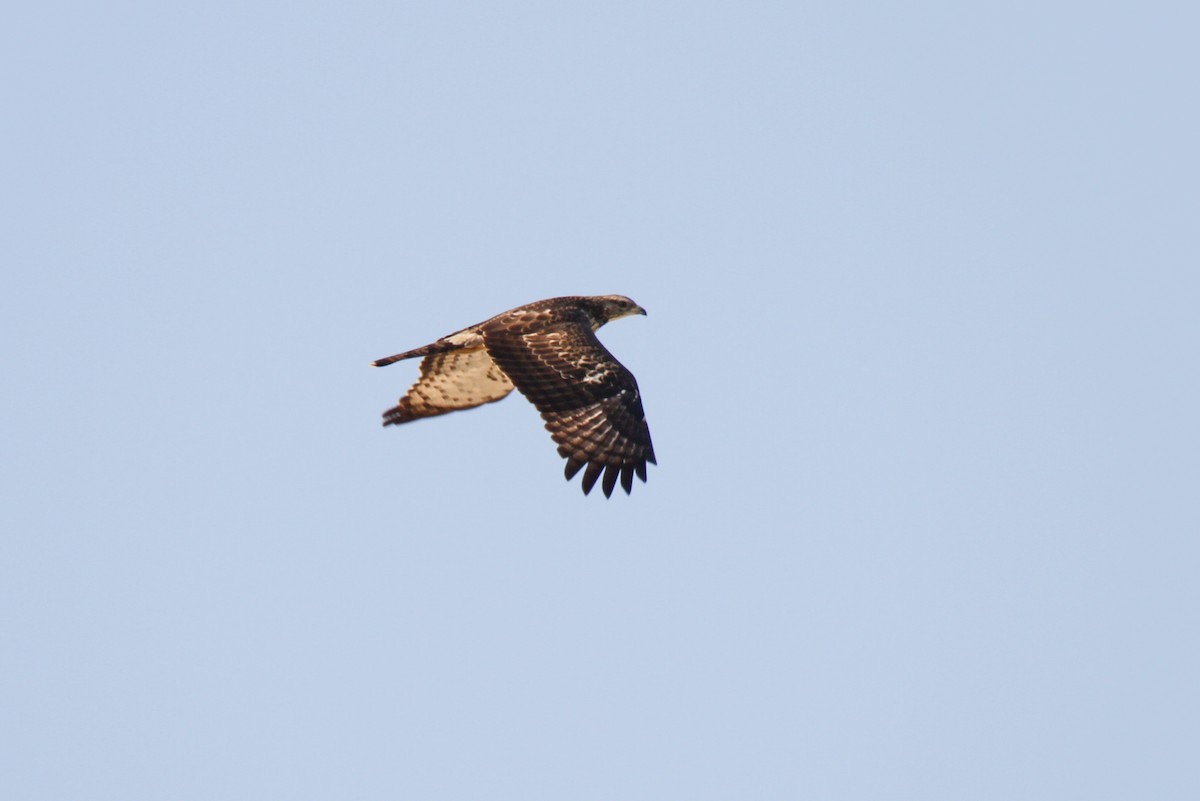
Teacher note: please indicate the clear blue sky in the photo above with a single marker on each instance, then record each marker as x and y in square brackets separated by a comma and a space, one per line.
[920, 365]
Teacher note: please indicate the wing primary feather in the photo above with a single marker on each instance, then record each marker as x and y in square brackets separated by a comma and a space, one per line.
[627, 478]
[610, 478]
[573, 467]
[640, 467]
[594, 469]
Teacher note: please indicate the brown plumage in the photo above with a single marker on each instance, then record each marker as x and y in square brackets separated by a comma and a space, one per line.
[548, 350]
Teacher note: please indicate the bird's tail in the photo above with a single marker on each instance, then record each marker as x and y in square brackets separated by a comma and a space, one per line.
[437, 347]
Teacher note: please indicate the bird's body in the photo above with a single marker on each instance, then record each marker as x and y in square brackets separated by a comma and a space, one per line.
[548, 350]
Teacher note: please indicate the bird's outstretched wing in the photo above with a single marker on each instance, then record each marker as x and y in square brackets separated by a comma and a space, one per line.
[453, 380]
[590, 402]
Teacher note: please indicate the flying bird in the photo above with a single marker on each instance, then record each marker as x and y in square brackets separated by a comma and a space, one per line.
[549, 351]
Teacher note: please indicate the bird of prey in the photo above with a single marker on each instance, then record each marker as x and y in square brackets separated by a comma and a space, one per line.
[549, 351]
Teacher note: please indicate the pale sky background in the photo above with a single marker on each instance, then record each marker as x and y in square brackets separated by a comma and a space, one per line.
[921, 367]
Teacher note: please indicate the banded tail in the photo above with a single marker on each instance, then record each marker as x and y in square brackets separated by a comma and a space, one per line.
[440, 346]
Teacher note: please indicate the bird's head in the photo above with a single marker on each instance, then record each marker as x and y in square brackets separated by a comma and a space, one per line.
[606, 308]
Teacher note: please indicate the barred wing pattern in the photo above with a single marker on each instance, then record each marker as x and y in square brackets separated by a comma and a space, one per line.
[458, 379]
[589, 400]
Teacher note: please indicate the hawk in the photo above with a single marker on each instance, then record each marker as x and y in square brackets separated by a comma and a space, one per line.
[549, 351]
